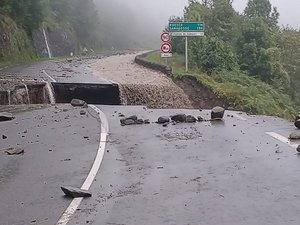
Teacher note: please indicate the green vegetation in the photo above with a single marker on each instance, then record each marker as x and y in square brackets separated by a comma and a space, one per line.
[238, 89]
[246, 59]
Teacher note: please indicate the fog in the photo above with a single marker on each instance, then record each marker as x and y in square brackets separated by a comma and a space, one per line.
[138, 23]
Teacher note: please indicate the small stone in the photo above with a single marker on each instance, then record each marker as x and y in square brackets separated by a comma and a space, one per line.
[4, 136]
[297, 123]
[65, 110]
[140, 121]
[73, 192]
[200, 119]
[125, 122]
[298, 149]
[78, 102]
[166, 124]
[121, 115]
[190, 119]
[217, 113]
[146, 121]
[295, 135]
[4, 116]
[12, 151]
[82, 112]
[163, 119]
[181, 118]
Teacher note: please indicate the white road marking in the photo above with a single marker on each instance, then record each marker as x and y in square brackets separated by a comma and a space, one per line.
[69, 212]
[51, 78]
[282, 139]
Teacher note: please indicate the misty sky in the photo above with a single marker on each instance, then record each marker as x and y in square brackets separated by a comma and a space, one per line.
[160, 10]
[137, 22]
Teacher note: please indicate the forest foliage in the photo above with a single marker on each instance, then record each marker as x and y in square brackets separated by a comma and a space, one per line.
[251, 43]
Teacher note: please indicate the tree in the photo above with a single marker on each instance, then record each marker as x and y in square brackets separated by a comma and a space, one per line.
[262, 9]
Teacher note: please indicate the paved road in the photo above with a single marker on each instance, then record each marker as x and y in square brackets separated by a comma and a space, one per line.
[206, 173]
[75, 70]
[230, 172]
[60, 147]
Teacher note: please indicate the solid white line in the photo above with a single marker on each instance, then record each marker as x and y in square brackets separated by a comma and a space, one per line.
[69, 212]
[52, 79]
[282, 139]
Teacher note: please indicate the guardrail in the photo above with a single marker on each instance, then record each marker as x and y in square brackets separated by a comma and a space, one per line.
[140, 60]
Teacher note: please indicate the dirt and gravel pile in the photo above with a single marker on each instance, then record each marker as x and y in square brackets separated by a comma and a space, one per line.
[141, 86]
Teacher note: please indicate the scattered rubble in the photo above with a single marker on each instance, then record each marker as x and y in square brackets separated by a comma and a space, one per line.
[132, 120]
[73, 192]
[4, 116]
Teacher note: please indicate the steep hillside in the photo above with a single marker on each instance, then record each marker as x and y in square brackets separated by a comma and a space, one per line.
[15, 46]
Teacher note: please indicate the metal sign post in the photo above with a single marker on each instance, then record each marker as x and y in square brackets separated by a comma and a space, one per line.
[186, 29]
[186, 55]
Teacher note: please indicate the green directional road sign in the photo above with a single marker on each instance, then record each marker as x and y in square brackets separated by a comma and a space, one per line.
[186, 27]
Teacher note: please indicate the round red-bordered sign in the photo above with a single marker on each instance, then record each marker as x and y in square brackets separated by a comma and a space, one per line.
[166, 48]
[166, 37]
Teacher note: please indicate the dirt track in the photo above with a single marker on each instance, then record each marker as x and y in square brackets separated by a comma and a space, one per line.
[139, 85]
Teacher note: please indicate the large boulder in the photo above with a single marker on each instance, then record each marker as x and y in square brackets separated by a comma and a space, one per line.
[73, 192]
[217, 113]
[5, 116]
[181, 118]
[163, 120]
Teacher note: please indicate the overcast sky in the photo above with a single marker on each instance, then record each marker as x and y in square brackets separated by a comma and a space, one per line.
[162, 9]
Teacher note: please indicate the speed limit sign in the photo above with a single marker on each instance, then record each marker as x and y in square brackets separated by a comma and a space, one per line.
[166, 48]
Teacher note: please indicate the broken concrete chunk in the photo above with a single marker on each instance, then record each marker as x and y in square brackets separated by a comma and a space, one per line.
[5, 116]
[295, 135]
[190, 119]
[13, 151]
[78, 102]
[297, 123]
[217, 113]
[181, 118]
[163, 119]
[73, 192]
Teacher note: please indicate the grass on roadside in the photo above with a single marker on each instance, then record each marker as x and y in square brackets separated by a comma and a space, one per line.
[236, 88]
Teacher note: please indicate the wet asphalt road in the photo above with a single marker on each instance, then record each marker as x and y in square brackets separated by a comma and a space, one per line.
[206, 173]
[72, 70]
[229, 172]
[60, 146]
